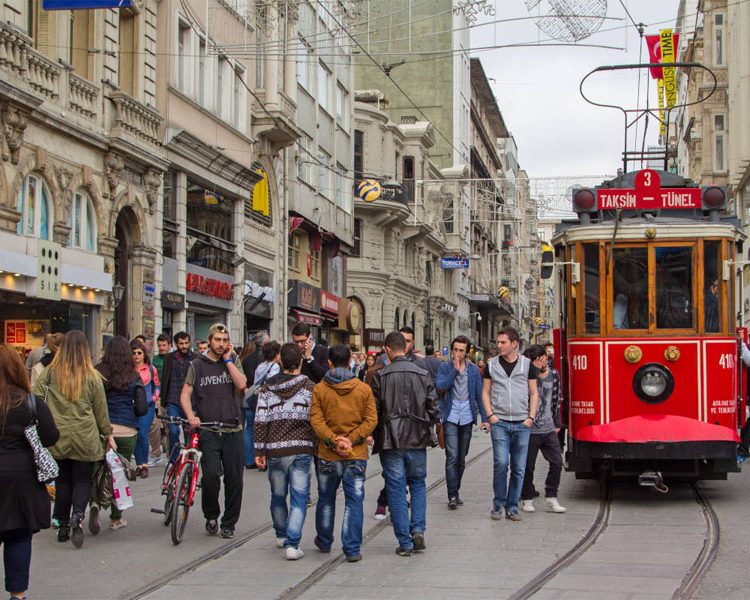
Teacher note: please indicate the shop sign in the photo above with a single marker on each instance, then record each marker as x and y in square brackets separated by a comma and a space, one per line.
[172, 301]
[208, 286]
[303, 295]
[454, 262]
[329, 303]
[374, 337]
[149, 293]
[148, 329]
[49, 261]
[479, 297]
[15, 332]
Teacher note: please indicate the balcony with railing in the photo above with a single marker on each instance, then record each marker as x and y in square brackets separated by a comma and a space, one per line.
[274, 118]
[132, 119]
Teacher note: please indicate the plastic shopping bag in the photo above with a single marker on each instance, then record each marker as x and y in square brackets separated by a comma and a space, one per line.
[121, 494]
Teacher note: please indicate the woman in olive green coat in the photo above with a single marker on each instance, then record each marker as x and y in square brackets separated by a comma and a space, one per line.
[76, 399]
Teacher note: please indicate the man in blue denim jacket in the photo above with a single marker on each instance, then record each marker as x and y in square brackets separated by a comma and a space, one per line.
[459, 386]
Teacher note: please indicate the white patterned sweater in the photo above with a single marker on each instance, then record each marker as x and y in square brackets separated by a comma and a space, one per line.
[282, 418]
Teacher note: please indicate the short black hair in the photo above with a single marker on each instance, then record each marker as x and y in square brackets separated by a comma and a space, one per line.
[162, 338]
[406, 329]
[270, 350]
[291, 356]
[181, 335]
[511, 332]
[549, 345]
[429, 349]
[199, 342]
[301, 329]
[339, 355]
[395, 341]
[534, 351]
[461, 339]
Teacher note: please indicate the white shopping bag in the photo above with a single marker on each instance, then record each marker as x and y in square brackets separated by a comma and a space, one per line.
[121, 495]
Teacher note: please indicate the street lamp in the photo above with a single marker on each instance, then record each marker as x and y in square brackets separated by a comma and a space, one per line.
[117, 292]
[478, 315]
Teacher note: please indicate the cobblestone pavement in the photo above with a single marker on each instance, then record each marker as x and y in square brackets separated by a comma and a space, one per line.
[649, 544]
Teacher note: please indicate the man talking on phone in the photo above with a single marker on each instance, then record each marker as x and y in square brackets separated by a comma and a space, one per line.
[314, 357]
[213, 391]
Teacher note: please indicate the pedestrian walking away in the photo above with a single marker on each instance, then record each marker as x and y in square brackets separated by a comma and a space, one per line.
[406, 402]
[270, 366]
[24, 502]
[284, 443]
[213, 391]
[509, 396]
[75, 395]
[459, 387]
[343, 415]
[544, 435]
[176, 365]
[125, 391]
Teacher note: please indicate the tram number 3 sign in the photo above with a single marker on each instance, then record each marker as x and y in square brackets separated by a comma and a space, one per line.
[648, 195]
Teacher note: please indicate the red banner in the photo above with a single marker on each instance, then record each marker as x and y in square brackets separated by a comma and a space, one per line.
[653, 42]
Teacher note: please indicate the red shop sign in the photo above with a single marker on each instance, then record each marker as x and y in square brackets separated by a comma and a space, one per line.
[206, 286]
[329, 303]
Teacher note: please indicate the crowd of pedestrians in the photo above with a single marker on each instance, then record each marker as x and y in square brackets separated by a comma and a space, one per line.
[289, 410]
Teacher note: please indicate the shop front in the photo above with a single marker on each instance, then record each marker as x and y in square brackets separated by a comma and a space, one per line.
[329, 310]
[304, 306]
[53, 290]
[209, 300]
[258, 300]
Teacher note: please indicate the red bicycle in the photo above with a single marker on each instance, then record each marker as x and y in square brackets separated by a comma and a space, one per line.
[182, 476]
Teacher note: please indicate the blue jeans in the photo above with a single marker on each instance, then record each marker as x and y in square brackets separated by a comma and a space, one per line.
[141, 442]
[403, 468]
[174, 430]
[289, 475]
[457, 439]
[17, 558]
[249, 446]
[330, 474]
[510, 444]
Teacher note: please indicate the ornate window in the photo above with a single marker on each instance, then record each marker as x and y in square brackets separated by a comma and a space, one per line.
[82, 223]
[36, 208]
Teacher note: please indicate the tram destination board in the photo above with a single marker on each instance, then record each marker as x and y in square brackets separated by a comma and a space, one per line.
[649, 195]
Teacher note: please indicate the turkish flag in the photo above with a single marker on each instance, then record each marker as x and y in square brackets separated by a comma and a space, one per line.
[654, 52]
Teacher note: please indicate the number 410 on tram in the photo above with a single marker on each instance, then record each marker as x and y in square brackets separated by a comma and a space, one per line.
[648, 336]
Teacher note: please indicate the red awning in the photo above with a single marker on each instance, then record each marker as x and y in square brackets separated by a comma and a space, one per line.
[307, 317]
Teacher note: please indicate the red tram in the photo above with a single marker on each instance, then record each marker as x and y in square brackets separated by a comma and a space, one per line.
[648, 337]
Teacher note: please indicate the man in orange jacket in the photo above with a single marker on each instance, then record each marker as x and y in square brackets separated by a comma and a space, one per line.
[343, 415]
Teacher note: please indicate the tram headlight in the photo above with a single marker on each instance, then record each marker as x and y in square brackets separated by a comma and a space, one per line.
[653, 383]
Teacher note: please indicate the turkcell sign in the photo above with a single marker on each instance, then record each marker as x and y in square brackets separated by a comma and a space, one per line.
[84, 4]
[653, 199]
[456, 262]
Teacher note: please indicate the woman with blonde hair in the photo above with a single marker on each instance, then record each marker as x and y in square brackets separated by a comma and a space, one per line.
[24, 504]
[75, 395]
[51, 342]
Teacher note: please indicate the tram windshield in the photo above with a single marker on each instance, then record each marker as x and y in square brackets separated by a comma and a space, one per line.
[668, 287]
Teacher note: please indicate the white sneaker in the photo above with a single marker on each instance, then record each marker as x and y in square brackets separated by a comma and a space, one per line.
[280, 542]
[527, 506]
[293, 553]
[552, 505]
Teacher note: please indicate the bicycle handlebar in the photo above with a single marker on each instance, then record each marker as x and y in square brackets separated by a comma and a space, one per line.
[203, 425]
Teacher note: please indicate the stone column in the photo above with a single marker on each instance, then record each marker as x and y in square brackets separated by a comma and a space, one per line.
[180, 183]
[107, 247]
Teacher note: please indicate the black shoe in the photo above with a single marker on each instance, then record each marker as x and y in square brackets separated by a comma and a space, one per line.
[536, 494]
[63, 533]
[212, 526]
[453, 503]
[76, 531]
[403, 551]
[227, 533]
[353, 558]
[94, 525]
[459, 500]
[323, 549]
[418, 539]
[252, 466]
[513, 516]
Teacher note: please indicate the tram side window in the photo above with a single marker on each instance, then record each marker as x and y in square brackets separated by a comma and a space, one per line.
[630, 288]
[591, 287]
[711, 304]
[674, 284]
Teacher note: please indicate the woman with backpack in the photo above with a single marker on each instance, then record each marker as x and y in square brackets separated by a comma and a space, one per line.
[124, 390]
[24, 503]
[150, 378]
[74, 393]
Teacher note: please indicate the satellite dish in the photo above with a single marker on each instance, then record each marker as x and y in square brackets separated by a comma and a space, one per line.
[570, 20]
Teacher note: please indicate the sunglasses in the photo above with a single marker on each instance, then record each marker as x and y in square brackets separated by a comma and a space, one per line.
[137, 352]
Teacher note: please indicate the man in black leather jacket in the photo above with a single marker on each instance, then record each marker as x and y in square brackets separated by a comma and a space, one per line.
[407, 411]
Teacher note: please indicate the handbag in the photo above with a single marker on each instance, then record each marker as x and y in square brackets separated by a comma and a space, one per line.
[46, 466]
[140, 402]
[440, 432]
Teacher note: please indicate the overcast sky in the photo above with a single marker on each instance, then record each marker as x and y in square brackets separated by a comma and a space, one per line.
[557, 132]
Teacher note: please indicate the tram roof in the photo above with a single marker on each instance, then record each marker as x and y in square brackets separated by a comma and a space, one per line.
[634, 229]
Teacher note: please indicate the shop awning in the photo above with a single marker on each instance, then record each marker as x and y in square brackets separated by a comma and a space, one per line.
[307, 317]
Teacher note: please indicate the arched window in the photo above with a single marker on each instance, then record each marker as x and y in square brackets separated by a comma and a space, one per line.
[36, 208]
[82, 223]
[397, 320]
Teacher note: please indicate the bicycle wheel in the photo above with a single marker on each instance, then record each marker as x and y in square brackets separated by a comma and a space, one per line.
[181, 503]
[168, 485]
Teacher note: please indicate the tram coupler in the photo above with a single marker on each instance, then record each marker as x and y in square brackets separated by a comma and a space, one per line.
[653, 479]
